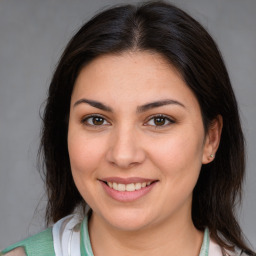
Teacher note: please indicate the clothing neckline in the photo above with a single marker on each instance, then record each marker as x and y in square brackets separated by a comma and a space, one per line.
[86, 248]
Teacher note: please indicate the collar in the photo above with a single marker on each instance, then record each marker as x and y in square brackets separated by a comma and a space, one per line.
[71, 238]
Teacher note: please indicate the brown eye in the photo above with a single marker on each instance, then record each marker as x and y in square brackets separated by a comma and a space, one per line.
[159, 121]
[95, 121]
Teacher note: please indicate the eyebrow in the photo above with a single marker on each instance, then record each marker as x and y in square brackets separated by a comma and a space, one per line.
[95, 104]
[140, 109]
[156, 104]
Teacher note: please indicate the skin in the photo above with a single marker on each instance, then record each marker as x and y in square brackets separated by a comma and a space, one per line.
[16, 252]
[130, 143]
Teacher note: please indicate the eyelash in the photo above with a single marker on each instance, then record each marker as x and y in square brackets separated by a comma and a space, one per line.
[103, 119]
[165, 119]
[85, 120]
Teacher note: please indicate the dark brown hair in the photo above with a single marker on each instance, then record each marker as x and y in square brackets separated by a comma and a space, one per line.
[165, 29]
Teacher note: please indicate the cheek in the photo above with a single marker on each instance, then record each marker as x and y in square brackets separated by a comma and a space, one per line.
[84, 154]
[179, 156]
[85, 157]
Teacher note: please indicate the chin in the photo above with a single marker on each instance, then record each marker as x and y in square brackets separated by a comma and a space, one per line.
[127, 221]
[129, 225]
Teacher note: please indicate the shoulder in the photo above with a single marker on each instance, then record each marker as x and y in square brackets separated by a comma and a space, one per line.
[40, 244]
[245, 254]
[49, 242]
[239, 252]
[15, 252]
[216, 250]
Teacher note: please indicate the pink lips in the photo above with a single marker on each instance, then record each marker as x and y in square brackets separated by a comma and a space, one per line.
[126, 180]
[127, 196]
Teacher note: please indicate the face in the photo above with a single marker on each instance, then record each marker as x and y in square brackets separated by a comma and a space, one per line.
[136, 140]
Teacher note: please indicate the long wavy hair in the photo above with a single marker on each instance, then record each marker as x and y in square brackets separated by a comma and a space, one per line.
[167, 30]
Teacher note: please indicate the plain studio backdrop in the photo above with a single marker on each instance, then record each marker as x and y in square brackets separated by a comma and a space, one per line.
[33, 34]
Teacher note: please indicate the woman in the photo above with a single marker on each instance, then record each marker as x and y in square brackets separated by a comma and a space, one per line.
[141, 125]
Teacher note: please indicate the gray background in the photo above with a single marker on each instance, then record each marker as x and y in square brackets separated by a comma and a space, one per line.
[33, 34]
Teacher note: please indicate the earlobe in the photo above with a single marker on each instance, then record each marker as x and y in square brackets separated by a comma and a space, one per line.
[212, 140]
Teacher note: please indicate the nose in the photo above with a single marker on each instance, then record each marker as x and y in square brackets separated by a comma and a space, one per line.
[125, 149]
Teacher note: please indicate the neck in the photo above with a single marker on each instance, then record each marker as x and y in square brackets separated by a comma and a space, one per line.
[169, 237]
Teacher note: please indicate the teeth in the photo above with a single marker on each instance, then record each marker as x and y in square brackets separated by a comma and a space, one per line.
[114, 185]
[128, 187]
[120, 187]
[138, 186]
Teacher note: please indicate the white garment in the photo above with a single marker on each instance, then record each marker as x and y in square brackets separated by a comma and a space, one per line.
[66, 239]
[214, 249]
[66, 236]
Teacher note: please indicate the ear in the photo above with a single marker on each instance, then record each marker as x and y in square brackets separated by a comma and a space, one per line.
[212, 140]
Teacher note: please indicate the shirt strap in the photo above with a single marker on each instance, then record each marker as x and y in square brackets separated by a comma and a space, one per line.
[205, 246]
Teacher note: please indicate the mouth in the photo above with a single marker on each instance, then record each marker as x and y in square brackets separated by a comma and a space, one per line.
[127, 189]
[130, 187]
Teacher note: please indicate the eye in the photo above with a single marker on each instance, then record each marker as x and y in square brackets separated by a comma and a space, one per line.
[95, 121]
[159, 121]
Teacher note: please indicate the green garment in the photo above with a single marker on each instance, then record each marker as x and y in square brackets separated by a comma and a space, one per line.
[37, 245]
[42, 243]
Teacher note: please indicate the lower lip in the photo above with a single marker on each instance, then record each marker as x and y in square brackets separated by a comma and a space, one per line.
[127, 196]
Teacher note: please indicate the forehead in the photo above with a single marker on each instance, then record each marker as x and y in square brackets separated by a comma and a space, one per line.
[131, 77]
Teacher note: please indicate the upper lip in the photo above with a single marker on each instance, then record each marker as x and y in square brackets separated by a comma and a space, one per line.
[127, 180]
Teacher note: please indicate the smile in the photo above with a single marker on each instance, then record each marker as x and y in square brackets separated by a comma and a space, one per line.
[128, 187]
[127, 190]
